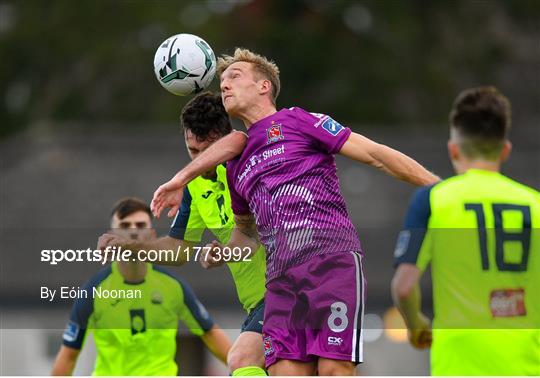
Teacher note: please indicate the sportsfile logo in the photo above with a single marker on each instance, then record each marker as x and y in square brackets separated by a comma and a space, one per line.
[332, 340]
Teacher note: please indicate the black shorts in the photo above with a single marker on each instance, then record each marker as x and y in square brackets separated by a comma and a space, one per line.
[254, 320]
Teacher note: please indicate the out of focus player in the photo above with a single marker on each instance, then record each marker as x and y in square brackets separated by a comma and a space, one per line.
[136, 336]
[479, 231]
[206, 205]
[286, 177]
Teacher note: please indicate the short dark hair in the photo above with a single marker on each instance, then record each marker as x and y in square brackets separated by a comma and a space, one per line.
[206, 117]
[481, 117]
[129, 205]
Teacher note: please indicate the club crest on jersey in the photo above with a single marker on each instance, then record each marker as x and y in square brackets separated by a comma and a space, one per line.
[274, 133]
[332, 126]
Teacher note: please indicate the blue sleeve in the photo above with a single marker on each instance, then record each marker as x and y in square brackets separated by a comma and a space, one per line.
[197, 309]
[412, 236]
[81, 311]
[179, 226]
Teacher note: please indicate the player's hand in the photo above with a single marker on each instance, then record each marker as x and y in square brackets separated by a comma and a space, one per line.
[420, 336]
[168, 195]
[214, 257]
[112, 240]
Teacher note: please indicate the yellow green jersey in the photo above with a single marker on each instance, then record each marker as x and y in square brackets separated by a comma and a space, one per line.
[135, 324]
[480, 232]
[206, 204]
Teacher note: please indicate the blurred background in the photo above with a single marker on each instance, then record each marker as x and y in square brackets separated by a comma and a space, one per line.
[83, 122]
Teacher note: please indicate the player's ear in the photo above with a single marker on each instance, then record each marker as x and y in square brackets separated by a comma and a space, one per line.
[264, 86]
[505, 152]
[453, 150]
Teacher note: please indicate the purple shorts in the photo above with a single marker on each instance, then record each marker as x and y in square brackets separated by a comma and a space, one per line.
[316, 309]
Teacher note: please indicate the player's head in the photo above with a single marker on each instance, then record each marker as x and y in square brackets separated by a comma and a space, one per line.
[132, 218]
[479, 126]
[204, 120]
[247, 79]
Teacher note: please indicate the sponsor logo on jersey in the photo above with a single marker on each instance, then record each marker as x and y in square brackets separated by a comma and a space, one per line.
[274, 133]
[71, 332]
[332, 340]
[506, 303]
[332, 126]
[257, 159]
[268, 347]
[207, 194]
[137, 320]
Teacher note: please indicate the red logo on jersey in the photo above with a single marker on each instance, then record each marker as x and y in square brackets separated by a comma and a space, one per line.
[507, 303]
[274, 133]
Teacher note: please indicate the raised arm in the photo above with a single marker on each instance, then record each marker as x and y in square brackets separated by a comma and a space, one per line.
[364, 150]
[169, 195]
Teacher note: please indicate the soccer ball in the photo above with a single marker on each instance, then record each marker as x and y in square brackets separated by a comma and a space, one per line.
[184, 64]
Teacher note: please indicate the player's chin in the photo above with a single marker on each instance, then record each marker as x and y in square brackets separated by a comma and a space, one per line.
[230, 106]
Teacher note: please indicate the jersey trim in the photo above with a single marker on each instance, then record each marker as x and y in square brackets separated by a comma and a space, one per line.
[179, 226]
[81, 311]
[412, 236]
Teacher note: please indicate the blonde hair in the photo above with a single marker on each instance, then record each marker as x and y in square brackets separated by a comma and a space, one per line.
[262, 67]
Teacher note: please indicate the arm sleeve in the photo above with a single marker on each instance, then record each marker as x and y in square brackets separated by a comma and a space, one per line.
[327, 134]
[238, 204]
[188, 223]
[193, 313]
[75, 330]
[413, 245]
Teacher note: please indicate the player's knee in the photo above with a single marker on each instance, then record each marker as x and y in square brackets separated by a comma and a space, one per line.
[239, 358]
[335, 368]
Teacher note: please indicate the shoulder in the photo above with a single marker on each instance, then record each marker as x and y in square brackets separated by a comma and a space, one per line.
[166, 275]
[99, 277]
[304, 115]
[526, 190]
[419, 207]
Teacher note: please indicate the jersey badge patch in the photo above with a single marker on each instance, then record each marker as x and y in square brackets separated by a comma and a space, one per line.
[332, 126]
[402, 243]
[71, 332]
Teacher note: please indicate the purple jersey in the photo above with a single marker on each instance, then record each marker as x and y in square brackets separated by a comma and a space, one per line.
[286, 176]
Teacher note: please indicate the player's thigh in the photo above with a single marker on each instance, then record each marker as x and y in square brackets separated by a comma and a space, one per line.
[336, 308]
[247, 350]
[290, 367]
[327, 366]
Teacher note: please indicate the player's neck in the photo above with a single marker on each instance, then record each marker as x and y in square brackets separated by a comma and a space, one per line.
[256, 113]
[492, 166]
[133, 272]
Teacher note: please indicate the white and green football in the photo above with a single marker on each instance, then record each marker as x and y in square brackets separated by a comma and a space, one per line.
[184, 64]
